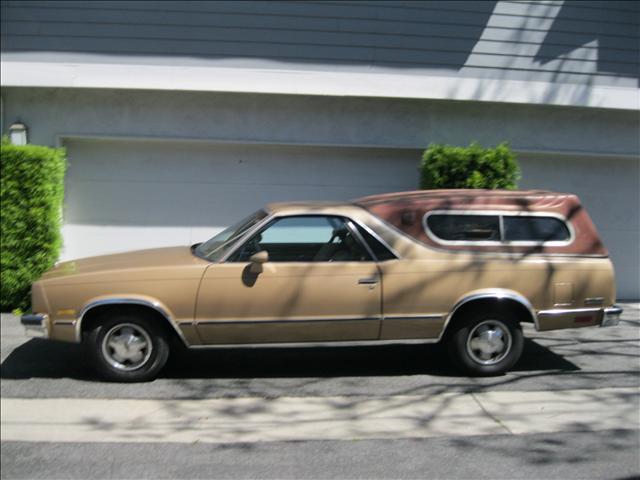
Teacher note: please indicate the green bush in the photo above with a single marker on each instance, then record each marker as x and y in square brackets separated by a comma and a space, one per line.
[446, 166]
[31, 192]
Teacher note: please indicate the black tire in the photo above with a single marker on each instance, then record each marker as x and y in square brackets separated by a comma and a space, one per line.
[491, 330]
[129, 333]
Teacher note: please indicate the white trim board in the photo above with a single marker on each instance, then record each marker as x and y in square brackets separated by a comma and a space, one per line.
[62, 137]
[290, 82]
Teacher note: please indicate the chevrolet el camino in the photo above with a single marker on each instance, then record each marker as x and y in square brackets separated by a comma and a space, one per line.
[462, 267]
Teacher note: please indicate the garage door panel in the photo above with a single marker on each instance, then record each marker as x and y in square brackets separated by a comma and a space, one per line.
[613, 212]
[132, 203]
[585, 173]
[122, 195]
[184, 204]
[87, 240]
[623, 247]
[610, 190]
[626, 278]
[169, 162]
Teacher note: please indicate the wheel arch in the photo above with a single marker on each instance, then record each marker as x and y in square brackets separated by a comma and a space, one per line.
[148, 304]
[497, 297]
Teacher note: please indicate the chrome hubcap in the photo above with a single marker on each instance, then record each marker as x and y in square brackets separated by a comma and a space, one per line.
[127, 346]
[489, 342]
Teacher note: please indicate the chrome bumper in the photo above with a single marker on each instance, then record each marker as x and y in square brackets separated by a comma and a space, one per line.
[35, 325]
[611, 316]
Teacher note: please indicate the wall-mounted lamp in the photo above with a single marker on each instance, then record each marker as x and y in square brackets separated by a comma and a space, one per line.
[18, 133]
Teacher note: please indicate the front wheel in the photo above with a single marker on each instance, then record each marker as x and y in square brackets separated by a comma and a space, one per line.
[128, 348]
[486, 345]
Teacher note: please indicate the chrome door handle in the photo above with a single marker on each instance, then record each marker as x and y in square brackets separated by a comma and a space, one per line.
[368, 281]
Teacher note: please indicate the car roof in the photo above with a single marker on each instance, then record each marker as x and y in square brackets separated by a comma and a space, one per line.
[458, 195]
[278, 207]
[455, 196]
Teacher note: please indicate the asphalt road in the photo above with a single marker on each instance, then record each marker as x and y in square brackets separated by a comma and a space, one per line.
[590, 359]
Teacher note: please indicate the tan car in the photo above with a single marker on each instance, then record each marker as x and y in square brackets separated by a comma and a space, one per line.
[465, 267]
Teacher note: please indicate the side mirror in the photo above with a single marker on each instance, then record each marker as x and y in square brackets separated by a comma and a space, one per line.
[257, 259]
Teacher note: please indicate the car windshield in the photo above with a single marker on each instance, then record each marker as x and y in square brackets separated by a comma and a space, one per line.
[215, 248]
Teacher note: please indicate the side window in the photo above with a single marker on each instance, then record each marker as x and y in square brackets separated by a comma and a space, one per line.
[379, 250]
[535, 229]
[304, 239]
[470, 229]
[467, 228]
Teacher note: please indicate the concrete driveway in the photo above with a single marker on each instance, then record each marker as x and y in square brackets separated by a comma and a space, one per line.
[570, 409]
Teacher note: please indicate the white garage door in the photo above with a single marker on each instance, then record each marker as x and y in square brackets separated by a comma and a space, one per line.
[124, 195]
[610, 189]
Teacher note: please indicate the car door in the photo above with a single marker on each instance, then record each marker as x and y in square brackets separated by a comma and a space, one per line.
[320, 283]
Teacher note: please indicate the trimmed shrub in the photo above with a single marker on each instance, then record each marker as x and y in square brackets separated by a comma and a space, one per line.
[446, 166]
[31, 192]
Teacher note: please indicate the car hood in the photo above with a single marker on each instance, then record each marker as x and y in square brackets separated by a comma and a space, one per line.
[135, 260]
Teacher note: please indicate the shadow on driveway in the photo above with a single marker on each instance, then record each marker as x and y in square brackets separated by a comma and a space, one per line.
[46, 359]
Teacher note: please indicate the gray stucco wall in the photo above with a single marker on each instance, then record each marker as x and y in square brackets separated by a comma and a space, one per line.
[587, 43]
[295, 119]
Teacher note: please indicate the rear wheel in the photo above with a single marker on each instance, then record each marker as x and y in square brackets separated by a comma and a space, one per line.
[487, 344]
[128, 348]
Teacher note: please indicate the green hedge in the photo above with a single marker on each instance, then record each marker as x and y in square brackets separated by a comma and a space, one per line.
[446, 166]
[31, 192]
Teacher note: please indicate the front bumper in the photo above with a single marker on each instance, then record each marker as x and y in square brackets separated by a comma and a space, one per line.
[611, 316]
[36, 325]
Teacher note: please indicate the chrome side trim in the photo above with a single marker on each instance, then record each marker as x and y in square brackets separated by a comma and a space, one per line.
[500, 214]
[345, 343]
[498, 294]
[415, 317]
[291, 321]
[126, 301]
[64, 322]
[567, 311]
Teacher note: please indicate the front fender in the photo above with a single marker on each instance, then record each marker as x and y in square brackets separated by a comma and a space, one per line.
[143, 300]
